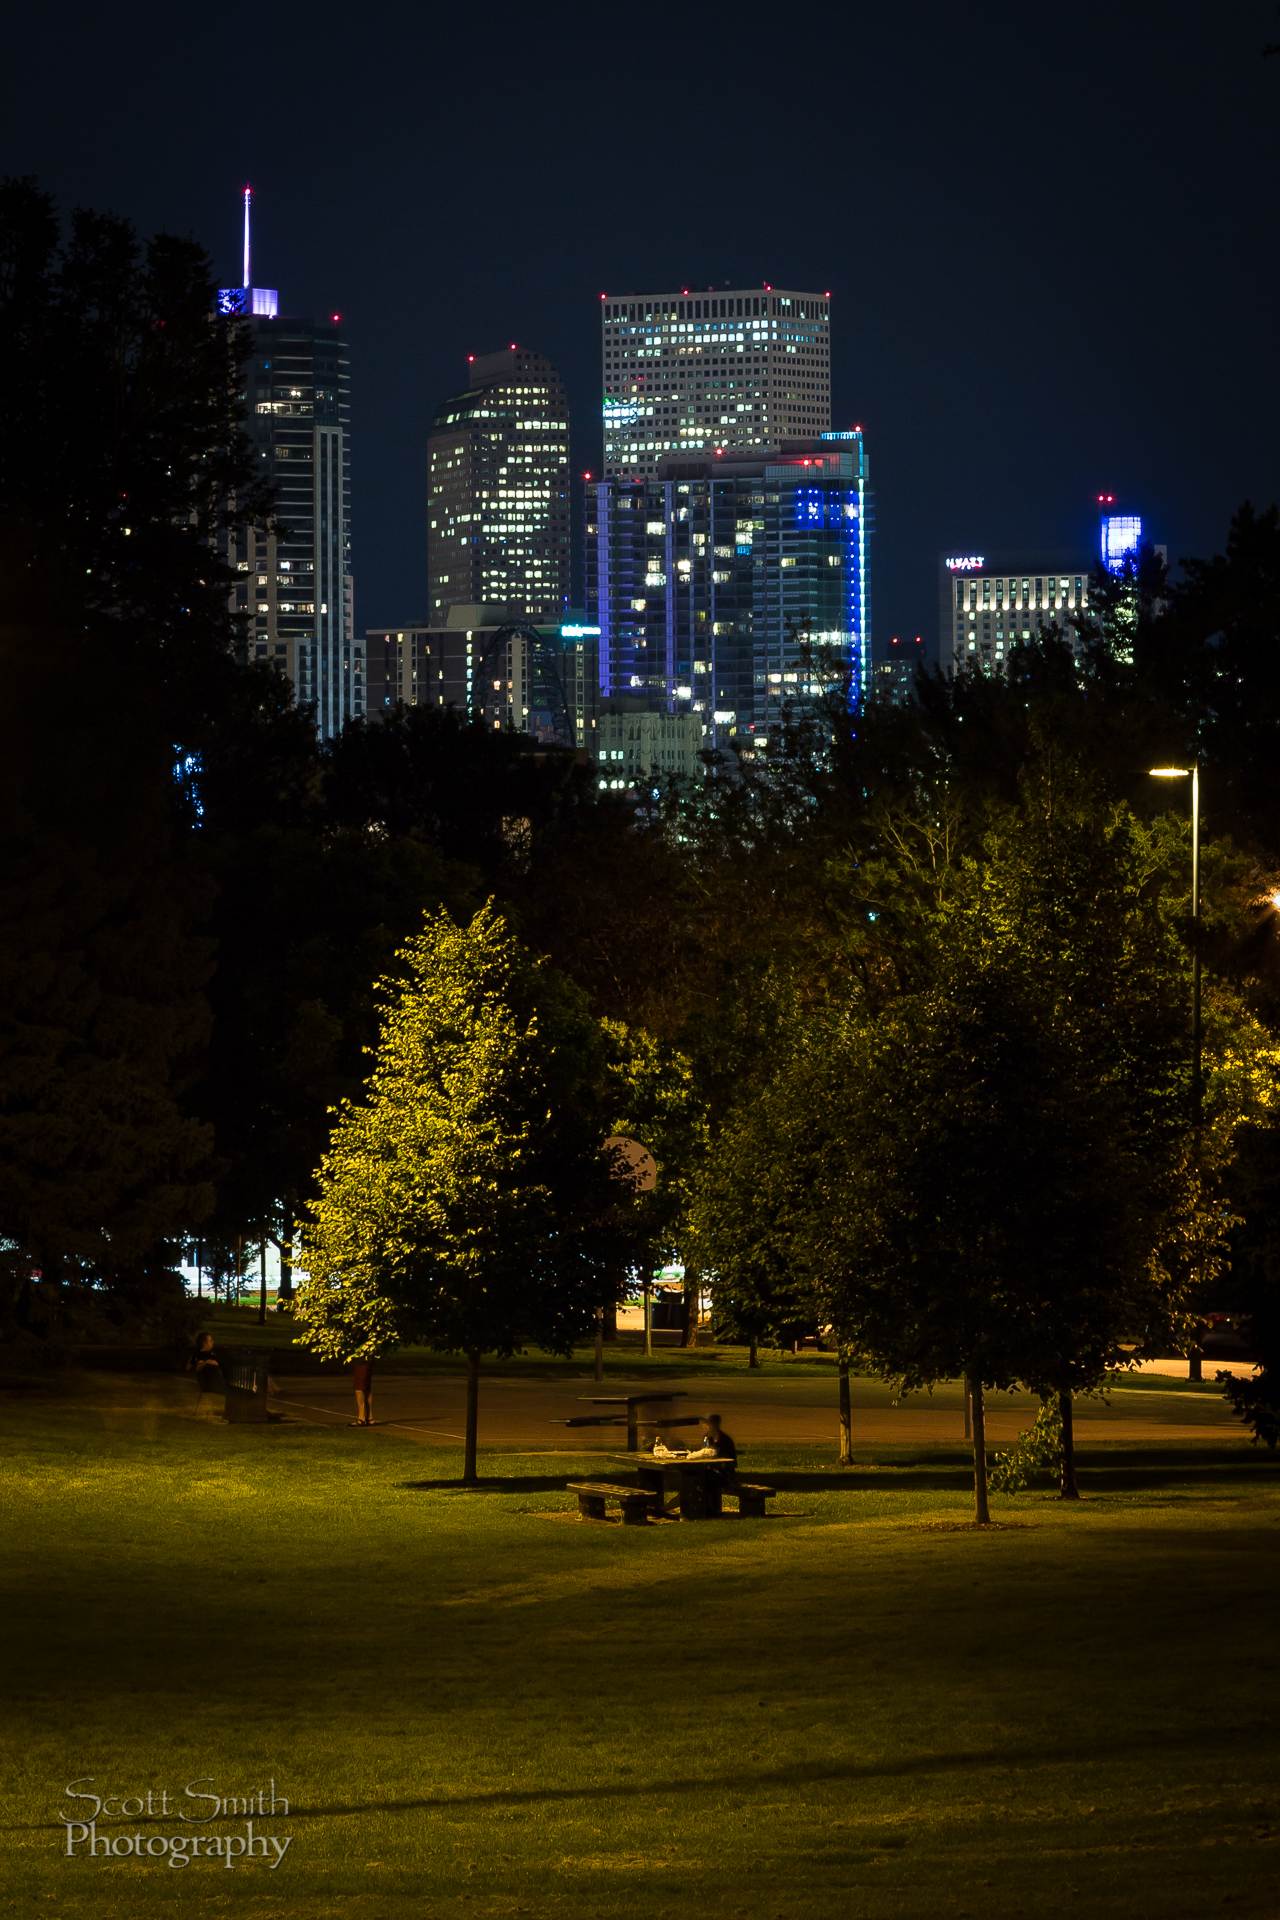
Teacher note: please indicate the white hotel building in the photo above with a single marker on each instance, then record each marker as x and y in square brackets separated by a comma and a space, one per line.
[701, 369]
[990, 603]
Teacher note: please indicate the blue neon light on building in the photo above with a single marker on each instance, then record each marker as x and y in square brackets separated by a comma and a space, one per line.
[1121, 536]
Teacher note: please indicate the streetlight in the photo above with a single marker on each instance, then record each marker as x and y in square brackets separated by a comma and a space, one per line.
[1192, 773]
[1197, 1088]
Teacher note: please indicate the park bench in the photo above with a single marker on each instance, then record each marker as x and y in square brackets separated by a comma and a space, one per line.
[594, 1497]
[751, 1498]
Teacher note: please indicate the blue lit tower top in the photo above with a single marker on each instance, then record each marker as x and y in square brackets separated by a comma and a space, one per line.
[248, 298]
[1119, 534]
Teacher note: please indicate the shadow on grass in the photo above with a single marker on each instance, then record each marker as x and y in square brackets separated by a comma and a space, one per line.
[813, 1773]
[515, 1483]
[1136, 1469]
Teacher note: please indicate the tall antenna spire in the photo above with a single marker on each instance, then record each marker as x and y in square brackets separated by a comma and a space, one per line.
[248, 196]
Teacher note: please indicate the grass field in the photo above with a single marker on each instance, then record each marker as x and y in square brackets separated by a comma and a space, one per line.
[477, 1705]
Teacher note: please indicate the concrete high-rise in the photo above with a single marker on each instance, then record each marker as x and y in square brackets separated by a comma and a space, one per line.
[498, 491]
[295, 591]
[517, 676]
[692, 372]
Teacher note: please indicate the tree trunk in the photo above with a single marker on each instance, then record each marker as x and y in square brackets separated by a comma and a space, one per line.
[753, 1353]
[599, 1366]
[1070, 1491]
[262, 1284]
[846, 1413]
[1195, 1364]
[648, 1316]
[611, 1321]
[469, 1475]
[981, 1509]
[689, 1333]
[284, 1247]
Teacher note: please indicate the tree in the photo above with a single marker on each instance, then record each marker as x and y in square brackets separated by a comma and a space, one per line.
[102, 972]
[655, 1101]
[479, 796]
[751, 1217]
[121, 452]
[306, 920]
[467, 1200]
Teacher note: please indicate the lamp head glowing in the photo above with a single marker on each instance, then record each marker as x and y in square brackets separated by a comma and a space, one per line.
[1168, 773]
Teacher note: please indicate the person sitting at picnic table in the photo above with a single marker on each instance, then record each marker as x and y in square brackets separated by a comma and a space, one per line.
[718, 1445]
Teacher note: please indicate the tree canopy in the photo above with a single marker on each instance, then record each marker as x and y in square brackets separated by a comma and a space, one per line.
[467, 1200]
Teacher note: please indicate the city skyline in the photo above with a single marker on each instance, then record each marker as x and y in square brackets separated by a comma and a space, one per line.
[1023, 314]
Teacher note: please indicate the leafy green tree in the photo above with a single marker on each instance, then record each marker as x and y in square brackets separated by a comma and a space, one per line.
[101, 978]
[122, 450]
[121, 454]
[656, 1102]
[1215, 651]
[481, 797]
[751, 1216]
[305, 922]
[467, 1200]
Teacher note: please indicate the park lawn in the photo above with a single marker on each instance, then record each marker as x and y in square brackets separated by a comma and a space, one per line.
[477, 1705]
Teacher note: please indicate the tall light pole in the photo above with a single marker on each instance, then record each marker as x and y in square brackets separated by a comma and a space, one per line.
[1192, 773]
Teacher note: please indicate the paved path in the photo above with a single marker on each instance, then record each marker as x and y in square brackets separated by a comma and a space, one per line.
[526, 1413]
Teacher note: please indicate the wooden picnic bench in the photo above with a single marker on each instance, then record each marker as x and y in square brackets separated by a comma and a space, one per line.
[594, 1498]
[751, 1497]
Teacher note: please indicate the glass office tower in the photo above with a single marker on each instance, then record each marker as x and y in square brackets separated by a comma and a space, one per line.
[498, 491]
[735, 587]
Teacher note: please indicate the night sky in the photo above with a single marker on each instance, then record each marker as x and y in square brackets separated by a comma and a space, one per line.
[1050, 232]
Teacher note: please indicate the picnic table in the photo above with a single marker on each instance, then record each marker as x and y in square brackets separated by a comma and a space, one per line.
[697, 1486]
[630, 1417]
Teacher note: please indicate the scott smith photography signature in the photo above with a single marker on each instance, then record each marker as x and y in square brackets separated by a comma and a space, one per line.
[97, 1829]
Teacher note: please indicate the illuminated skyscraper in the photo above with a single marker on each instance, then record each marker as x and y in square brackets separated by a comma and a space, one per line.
[498, 490]
[1119, 534]
[296, 589]
[732, 587]
[690, 372]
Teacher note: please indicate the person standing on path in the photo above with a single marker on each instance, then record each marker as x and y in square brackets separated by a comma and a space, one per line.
[362, 1381]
